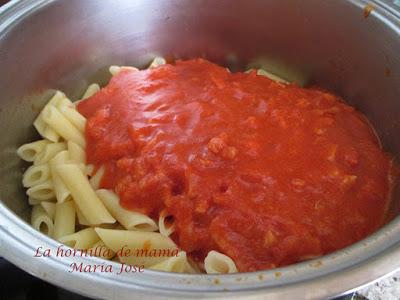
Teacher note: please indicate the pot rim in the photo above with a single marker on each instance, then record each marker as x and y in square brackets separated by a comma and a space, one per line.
[331, 275]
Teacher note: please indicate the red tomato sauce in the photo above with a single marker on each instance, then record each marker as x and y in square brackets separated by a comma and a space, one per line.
[266, 173]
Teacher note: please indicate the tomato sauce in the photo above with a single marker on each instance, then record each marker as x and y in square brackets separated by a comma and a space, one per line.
[266, 173]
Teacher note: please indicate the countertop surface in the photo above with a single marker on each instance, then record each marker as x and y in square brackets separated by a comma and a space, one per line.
[385, 289]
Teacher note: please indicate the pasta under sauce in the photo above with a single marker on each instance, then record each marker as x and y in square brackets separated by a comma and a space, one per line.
[266, 173]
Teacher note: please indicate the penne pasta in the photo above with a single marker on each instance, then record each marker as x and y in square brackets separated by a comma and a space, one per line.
[35, 175]
[83, 194]
[33, 201]
[96, 178]
[140, 245]
[49, 151]
[55, 100]
[63, 102]
[194, 267]
[157, 61]
[29, 152]
[114, 70]
[218, 263]
[73, 116]
[178, 264]
[51, 134]
[89, 169]
[43, 191]
[116, 259]
[165, 228]
[64, 219]
[57, 121]
[61, 191]
[99, 249]
[129, 219]
[41, 126]
[81, 218]
[271, 76]
[49, 208]
[41, 221]
[82, 239]
[76, 153]
[91, 90]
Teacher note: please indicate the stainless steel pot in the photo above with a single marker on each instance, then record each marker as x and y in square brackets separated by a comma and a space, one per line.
[65, 45]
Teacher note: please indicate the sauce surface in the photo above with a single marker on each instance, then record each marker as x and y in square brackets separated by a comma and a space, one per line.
[266, 173]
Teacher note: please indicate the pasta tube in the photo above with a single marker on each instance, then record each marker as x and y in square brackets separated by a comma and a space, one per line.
[274, 77]
[64, 220]
[81, 218]
[61, 191]
[35, 175]
[49, 208]
[41, 125]
[49, 151]
[101, 250]
[82, 239]
[157, 61]
[74, 117]
[178, 264]
[165, 229]
[84, 196]
[43, 191]
[29, 152]
[218, 263]
[33, 201]
[41, 221]
[96, 178]
[129, 219]
[145, 248]
[76, 153]
[62, 125]
[91, 90]
[114, 70]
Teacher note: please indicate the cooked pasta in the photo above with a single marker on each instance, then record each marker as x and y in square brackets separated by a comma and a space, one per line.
[91, 90]
[76, 153]
[274, 77]
[41, 221]
[158, 61]
[35, 175]
[178, 264]
[129, 219]
[60, 124]
[96, 178]
[49, 151]
[30, 151]
[140, 243]
[73, 116]
[218, 263]
[41, 126]
[49, 208]
[83, 239]
[100, 249]
[114, 70]
[64, 219]
[33, 201]
[165, 228]
[81, 218]
[61, 191]
[83, 194]
[42, 191]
